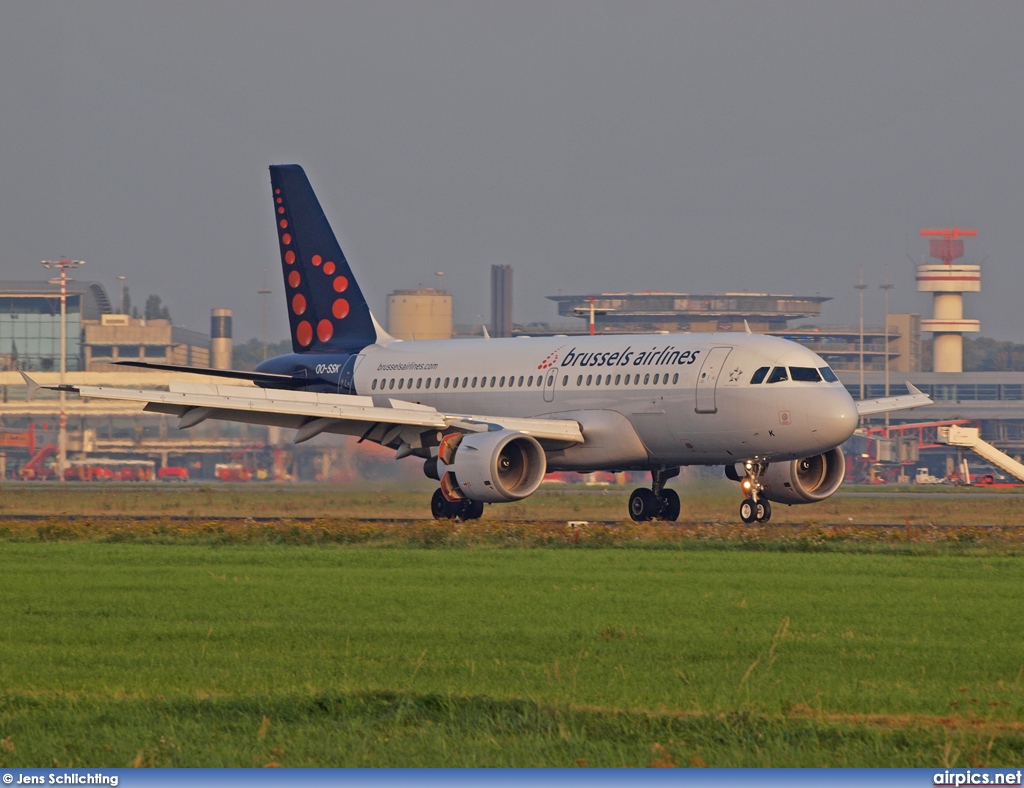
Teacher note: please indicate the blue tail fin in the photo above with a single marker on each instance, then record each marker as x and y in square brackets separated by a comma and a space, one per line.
[326, 309]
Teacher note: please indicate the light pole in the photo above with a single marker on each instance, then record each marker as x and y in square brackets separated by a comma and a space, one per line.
[886, 287]
[861, 287]
[121, 308]
[264, 291]
[62, 433]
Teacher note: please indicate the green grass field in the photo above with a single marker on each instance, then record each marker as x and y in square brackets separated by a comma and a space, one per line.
[187, 653]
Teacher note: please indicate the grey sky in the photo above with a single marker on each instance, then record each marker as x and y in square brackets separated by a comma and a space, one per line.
[666, 146]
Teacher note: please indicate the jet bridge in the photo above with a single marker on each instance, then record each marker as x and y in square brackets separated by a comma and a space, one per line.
[970, 437]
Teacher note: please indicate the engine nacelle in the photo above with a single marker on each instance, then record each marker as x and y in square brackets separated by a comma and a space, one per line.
[491, 466]
[809, 480]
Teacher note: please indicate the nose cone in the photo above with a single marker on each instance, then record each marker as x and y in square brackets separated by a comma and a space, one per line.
[833, 415]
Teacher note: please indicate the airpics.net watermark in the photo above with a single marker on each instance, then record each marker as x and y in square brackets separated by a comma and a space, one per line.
[956, 777]
[61, 778]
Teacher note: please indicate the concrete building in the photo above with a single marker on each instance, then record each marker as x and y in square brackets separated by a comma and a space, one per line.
[122, 338]
[420, 314]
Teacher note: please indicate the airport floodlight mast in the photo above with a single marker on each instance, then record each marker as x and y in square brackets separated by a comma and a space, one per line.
[948, 282]
[264, 291]
[62, 433]
[886, 287]
[861, 287]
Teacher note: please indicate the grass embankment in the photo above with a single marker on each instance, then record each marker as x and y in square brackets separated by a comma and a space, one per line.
[717, 502]
[241, 654]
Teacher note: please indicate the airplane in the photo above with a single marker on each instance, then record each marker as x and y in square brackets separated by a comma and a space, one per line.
[490, 417]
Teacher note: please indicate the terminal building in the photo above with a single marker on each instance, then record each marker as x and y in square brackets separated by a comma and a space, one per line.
[764, 313]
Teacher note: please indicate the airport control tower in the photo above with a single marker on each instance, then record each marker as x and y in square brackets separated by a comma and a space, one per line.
[948, 282]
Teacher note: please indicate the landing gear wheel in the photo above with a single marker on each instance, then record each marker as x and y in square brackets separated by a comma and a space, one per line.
[471, 510]
[670, 505]
[440, 507]
[643, 505]
[764, 510]
[748, 511]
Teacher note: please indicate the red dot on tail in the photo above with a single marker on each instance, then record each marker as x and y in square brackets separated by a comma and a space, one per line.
[329, 268]
[280, 210]
[283, 223]
[279, 201]
[340, 284]
[324, 330]
[277, 191]
[340, 308]
[317, 259]
[289, 257]
[304, 333]
[286, 238]
[298, 303]
[294, 279]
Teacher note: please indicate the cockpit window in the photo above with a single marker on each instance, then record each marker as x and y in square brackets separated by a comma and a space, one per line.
[759, 375]
[805, 374]
[828, 374]
[778, 375]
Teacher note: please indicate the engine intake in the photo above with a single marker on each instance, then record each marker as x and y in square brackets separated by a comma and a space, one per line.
[809, 480]
[491, 466]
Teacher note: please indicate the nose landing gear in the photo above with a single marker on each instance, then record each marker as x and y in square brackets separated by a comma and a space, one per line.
[656, 503]
[755, 507]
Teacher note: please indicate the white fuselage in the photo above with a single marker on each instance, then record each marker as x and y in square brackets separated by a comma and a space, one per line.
[642, 401]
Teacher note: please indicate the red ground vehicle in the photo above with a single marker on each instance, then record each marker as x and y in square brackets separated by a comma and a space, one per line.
[172, 474]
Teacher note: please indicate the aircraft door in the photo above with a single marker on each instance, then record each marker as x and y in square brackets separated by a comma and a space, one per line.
[707, 379]
[347, 376]
[550, 382]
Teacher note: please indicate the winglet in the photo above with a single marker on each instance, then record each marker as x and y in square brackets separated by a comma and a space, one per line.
[487, 334]
[746, 325]
[31, 387]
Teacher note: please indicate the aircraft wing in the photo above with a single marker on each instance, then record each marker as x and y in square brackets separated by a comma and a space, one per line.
[915, 399]
[380, 419]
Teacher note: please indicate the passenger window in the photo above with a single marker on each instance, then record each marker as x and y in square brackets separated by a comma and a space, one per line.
[409, 384]
[502, 383]
[474, 382]
[565, 380]
[617, 379]
[778, 375]
[675, 379]
[590, 379]
[446, 381]
[455, 383]
[465, 382]
[492, 382]
[400, 382]
[437, 383]
[520, 380]
[647, 379]
[391, 383]
[530, 381]
[428, 383]
[828, 374]
[373, 386]
[419, 382]
[758, 376]
[655, 380]
[579, 381]
[805, 374]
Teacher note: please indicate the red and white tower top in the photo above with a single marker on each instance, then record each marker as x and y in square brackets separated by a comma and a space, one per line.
[948, 281]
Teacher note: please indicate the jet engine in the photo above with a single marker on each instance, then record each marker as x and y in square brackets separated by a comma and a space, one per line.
[503, 465]
[809, 480]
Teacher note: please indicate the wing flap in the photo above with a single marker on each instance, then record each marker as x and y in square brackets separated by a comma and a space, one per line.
[296, 407]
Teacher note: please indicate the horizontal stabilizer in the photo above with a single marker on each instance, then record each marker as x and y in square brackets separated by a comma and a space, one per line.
[915, 399]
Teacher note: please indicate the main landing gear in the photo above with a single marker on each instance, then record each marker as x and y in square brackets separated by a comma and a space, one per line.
[755, 506]
[443, 509]
[656, 503]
